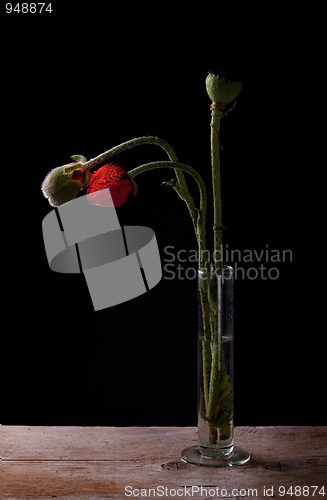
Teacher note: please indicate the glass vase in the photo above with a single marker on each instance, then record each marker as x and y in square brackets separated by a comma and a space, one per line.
[215, 373]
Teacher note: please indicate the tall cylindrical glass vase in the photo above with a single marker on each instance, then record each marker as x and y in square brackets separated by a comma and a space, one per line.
[215, 374]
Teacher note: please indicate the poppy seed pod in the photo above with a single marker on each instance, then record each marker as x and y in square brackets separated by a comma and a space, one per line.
[221, 88]
[62, 184]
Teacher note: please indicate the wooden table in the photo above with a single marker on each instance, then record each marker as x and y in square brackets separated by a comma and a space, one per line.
[144, 462]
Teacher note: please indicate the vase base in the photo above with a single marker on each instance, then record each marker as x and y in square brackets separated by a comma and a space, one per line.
[239, 456]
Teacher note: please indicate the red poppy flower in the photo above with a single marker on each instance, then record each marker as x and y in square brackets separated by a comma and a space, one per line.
[115, 178]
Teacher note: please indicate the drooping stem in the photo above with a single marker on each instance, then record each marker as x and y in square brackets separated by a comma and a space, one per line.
[180, 187]
[201, 211]
[216, 115]
[138, 141]
[198, 216]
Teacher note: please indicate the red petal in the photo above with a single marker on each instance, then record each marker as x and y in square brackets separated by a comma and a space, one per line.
[113, 177]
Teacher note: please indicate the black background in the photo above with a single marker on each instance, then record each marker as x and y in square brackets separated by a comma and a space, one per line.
[84, 79]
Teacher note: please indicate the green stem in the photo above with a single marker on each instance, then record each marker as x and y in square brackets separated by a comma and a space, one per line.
[177, 166]
[216, 115]
[198, 218]
[138, 141]
[206, 339]
[181, 187]
[200, 221]
[203, 265]
[219, 387]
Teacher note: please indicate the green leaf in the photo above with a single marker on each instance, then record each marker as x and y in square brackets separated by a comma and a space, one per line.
[79, 158]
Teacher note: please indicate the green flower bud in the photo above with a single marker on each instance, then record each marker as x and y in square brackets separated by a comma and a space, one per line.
[221, 88]
[62, 184]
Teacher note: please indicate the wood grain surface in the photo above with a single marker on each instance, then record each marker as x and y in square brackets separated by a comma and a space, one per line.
[144, 462]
